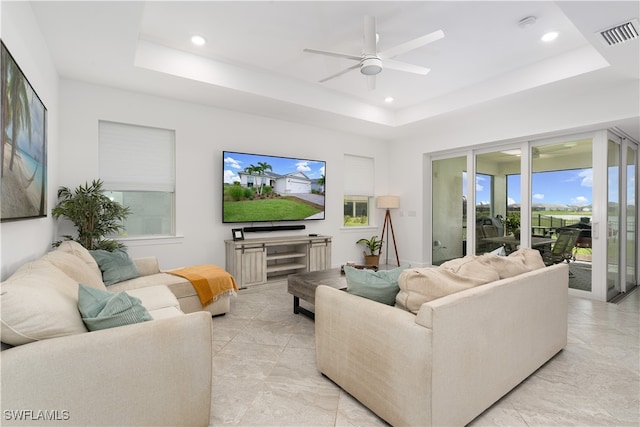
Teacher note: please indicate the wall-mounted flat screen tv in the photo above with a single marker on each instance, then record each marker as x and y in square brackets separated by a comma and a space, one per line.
[263, 188]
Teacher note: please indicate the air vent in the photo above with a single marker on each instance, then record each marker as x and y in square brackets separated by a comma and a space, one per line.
[620, 33]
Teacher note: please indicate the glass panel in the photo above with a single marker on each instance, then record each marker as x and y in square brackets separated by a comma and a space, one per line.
[356, 211]
[613, 220]
[150, 212]
[561, 203]
[448, 209]
[496, 201]
[632, 221]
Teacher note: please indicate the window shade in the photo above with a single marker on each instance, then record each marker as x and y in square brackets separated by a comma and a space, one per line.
[136, 158]
[358, 176]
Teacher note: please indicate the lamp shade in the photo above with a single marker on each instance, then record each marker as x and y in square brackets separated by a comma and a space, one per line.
[388, 202]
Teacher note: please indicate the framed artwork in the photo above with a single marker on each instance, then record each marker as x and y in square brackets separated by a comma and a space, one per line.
[238, 234]
[23, 194]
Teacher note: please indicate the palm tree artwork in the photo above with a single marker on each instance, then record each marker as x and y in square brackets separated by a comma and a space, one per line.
[23, 145]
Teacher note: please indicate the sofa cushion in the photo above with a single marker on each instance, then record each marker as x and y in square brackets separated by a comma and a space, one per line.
[420, 285]
[518, 262]
[104, 309]
[155, 297]
[381, 286]
[75, 248]
[38, 302]
[116, 266]
[74, 267]
[153, 280]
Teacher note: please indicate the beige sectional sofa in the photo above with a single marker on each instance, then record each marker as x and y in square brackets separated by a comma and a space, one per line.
[156, 372]
[150, 275]
[454, 355]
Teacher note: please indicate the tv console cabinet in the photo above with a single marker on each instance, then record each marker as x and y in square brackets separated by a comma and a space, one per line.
[256, 261]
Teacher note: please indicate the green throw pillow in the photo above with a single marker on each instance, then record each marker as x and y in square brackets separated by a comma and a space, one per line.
[103, 309]
[116, 266]
[381, 286]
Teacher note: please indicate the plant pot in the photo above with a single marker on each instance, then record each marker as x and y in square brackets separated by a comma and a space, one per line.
[371, 259]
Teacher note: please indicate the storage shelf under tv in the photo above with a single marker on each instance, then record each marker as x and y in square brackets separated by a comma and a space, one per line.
[257, 261]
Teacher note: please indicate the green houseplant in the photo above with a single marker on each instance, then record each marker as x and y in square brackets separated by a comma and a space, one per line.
[94, 215]
[374, 245]
[512, 224]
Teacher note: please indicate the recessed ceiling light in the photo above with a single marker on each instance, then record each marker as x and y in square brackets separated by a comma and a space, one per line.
[198, 40]
[550, 36]
[388, 99]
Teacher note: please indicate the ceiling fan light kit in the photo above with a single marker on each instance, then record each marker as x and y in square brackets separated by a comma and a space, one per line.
[372, 63]
[371, 66]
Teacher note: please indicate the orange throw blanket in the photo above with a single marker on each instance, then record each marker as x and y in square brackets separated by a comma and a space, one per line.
[209, 281]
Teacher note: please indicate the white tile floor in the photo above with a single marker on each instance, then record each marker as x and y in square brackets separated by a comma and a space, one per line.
[265, 374]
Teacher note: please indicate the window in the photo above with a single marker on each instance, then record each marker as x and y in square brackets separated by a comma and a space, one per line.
[358, 190]
[137, 165]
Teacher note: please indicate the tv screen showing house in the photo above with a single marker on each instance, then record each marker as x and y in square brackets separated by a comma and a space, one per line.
[263, 188]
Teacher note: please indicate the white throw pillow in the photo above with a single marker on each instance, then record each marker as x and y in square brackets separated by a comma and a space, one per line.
[75, 248]
[38, 302]
[74, 267]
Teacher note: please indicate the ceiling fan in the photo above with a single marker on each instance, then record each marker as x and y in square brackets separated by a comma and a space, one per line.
[371, 62]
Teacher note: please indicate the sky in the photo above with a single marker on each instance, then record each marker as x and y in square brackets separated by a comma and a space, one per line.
[236, 162]
[566, 187]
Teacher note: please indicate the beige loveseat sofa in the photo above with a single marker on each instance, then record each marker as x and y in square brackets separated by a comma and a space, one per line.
[455, 355]
[157, 372]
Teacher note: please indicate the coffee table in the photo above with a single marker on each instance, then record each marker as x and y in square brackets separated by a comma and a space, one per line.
[303, 285]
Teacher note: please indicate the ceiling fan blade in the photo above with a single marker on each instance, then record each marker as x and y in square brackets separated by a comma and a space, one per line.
[392, 64]
[412, 44]
[371, 82]
[333, 76]
[338, 55]
[369, 35]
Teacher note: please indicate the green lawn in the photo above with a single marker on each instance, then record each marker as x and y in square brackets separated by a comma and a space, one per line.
[551, 218]
[267, 210]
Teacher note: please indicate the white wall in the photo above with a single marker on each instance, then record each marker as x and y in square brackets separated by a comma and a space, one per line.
[28, 239]
[202, 133]
[526, 116]
[74, 109]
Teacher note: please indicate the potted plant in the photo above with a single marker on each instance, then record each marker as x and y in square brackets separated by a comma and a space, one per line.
[512, 225]
[93, 213]
[374, 245]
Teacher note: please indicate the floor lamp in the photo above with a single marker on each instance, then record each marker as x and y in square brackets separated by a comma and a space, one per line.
[389, 202]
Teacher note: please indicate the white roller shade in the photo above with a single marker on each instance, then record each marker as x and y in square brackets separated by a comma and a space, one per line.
[136, 158]
[358, 176]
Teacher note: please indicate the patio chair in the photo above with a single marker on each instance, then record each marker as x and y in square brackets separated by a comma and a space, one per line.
[563, 247]
[486, 228]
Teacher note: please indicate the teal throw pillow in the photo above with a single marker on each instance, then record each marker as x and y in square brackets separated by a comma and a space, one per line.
[381, 285]
[103, 309]
[116, 266]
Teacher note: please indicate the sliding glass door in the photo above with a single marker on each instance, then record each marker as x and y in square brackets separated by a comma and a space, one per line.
[562, 204]
[622, 245]
[449, 209]
[631, 274]
[528, 194]
[497, 201]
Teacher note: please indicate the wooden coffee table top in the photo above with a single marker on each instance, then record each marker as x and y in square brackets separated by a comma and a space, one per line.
[303, 285]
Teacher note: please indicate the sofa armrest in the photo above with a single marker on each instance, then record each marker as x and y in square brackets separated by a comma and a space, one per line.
[147, 265]
[376, 352]
[151, 373]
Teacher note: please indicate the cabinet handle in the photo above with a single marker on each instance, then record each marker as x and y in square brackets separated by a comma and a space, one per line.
[243, 247]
